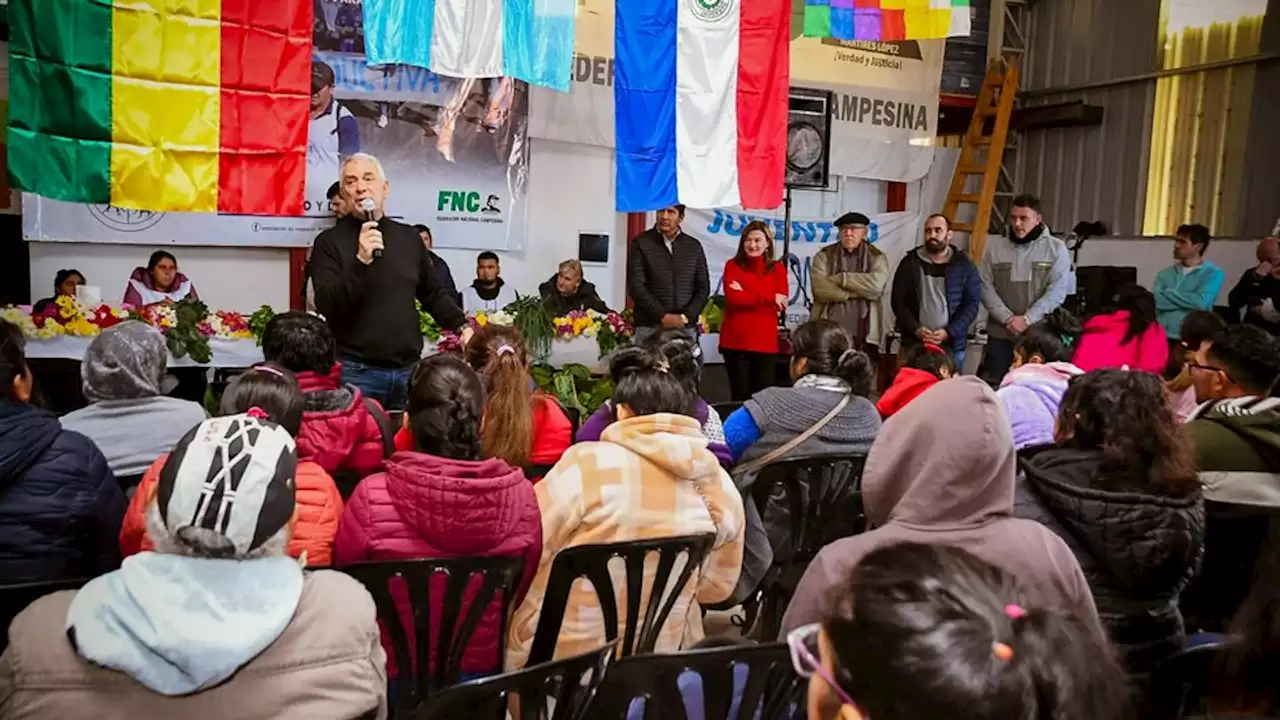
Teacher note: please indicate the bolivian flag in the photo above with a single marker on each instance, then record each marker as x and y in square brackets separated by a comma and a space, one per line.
[184, 105]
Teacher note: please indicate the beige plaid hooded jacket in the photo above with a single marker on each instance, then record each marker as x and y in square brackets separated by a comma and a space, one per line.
[649, 477]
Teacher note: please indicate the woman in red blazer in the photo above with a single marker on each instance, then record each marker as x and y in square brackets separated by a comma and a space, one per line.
[755, 292]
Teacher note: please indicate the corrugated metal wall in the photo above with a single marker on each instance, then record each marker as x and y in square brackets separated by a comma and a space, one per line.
[1261, 202]
[1091, 173]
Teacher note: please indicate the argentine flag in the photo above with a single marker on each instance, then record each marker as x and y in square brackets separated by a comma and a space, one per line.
[530, 40]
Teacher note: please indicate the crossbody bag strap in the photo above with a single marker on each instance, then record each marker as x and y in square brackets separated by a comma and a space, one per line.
[793, 443]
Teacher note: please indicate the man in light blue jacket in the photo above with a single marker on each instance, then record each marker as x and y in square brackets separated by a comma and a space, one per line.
[1192, 283]
[1025, 276]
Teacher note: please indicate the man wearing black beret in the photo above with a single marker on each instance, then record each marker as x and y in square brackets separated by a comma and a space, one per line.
[848, 278]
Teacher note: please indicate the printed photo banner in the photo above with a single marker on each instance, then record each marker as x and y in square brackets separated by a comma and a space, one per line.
[720, 230]
[455, 152]
[885, 116]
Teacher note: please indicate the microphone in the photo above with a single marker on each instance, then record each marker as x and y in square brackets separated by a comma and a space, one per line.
[368, 206]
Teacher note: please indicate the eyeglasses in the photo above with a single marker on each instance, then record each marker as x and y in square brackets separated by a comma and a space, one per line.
[1209, 368]
[803, 644]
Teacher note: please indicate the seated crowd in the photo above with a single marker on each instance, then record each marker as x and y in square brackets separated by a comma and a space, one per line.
[1028, 548]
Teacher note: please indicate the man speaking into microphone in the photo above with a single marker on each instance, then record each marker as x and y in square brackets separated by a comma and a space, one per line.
[367, 271]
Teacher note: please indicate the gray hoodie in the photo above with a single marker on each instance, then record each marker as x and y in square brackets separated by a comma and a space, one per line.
[942, 471]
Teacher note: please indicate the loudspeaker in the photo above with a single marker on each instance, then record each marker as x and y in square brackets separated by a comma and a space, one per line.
[809, 137]
[1096, 285]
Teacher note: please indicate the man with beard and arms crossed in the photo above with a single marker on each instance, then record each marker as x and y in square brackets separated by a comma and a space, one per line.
[936, 292]
[368, 270]
[1025, 276]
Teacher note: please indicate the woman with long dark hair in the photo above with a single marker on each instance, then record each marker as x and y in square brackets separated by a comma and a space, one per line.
[1125, 336]
[159, 282]
[755, 294]
[1120, 487]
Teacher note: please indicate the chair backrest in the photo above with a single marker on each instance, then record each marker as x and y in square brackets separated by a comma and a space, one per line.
[725, 409]
[823, 501]
[559, 690]
[1180, 686]
[592, 563]
[15, 598]
[1234, 537]
[733, 683]
[484, 579]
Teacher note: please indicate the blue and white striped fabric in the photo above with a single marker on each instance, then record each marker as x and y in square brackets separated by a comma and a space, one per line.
[530, 40]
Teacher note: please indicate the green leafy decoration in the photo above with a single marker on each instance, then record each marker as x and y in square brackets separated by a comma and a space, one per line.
[534, 323]
[426, 324]
[185, 338]
[258, 322]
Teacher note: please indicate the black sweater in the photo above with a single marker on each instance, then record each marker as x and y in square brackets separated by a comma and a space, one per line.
[370, 307]
[665, 281]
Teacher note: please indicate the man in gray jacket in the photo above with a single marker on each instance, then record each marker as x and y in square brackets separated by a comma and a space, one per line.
[1025, 276]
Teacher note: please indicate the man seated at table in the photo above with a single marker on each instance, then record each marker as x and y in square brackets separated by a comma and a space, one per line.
[488, 292]
[567, 291]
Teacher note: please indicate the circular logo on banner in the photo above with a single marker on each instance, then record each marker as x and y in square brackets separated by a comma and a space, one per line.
[124, 219]
[710, 10]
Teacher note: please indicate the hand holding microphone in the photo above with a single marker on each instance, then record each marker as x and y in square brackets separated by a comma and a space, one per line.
[371, 244]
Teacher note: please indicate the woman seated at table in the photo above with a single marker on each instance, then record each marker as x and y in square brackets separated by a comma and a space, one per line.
[159, 282]
[65, 283]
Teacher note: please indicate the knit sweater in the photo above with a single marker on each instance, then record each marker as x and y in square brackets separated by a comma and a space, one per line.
[780, 414]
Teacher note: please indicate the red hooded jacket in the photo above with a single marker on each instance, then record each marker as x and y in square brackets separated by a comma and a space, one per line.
[429, 507]
[342, 431]
[909, 383]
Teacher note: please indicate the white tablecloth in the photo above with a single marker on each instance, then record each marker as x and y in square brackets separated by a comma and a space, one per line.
[243, 353]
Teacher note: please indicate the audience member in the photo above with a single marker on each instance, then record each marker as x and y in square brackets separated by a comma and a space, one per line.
[217, 622]
[936, 292]
[1025, 277]
[649, 476]
[1120, 488]
[159, 282]
[1198, 330]
[1192, 283]
[667, 277]
[444, 277]
[443, 500]
[932, 632]
[826, 412]
[60, 506]
[1246, 679]
[343, 431]
[129, 417]
[488, 292]
[755, 297]
[942, 471]
[849, 279]
[1127, 336]
[1258, 291]
[926, 364]
[65, 283]
[1236, 431]
[1032, 390]
[567, 291]
[272, 393]
[681, 355]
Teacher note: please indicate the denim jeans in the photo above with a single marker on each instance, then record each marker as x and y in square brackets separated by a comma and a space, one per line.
[996, 360]
[389, 386]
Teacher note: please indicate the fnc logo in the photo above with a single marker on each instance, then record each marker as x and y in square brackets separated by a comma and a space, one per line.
[124, 219]
[710, 10]
[467, 201]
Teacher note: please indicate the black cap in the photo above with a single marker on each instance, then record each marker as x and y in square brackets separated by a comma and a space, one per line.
[852, 219]
[321, 76]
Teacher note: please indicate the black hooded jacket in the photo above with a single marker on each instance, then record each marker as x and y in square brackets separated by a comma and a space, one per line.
[559, 304]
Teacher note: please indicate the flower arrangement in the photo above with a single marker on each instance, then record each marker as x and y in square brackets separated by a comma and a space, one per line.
[578, 323]
[73, 319]
[227, 325]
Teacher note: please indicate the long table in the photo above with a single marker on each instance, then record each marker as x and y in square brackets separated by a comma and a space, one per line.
[243, 353]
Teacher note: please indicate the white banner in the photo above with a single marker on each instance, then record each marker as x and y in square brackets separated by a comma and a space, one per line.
[455, 152]
[720, 230]
[884, 120]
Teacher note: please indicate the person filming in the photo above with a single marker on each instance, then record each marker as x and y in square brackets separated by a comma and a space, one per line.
[367, 271]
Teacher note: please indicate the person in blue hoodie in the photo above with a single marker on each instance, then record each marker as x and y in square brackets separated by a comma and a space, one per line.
[60, 505]
[1192, 283]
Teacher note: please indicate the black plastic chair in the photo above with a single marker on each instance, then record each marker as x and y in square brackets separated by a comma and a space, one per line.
[15, 598]
[485, 580]
[592, 563]
[1234, 538]
[566, 685]
[725, 409]
[1180, 687]
[771, 686]
[819, 500]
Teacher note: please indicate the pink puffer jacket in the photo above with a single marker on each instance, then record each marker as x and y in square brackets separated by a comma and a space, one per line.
[429, 507]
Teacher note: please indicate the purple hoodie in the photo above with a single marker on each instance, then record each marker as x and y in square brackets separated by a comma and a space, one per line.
[603, 417]
[1031, 395]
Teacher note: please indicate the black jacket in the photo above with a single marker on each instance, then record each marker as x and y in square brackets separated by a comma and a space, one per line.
[558, 304]
[444, 278]
[1138, 549]
[662, 281]
[60, 506]
[370, 307]
[1249, 292]
[964, 293]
